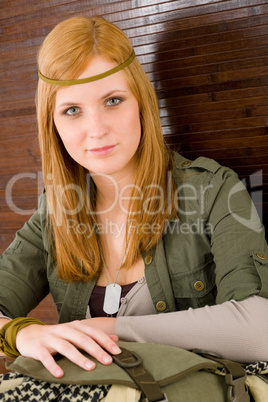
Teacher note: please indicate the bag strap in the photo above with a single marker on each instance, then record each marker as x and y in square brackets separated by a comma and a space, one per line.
[235, 377]
[132, 364]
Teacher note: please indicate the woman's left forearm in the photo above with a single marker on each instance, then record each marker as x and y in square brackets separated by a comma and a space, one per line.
[233, 330]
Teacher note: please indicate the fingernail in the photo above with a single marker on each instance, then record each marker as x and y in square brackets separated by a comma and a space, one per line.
[116, 349]
[90, 365]
[107, 359]
[58, 373]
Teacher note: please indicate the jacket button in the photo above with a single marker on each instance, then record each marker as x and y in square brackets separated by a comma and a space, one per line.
[199, 285]
[261, 255]
[161, 306]
[185, 163]
[148, 259]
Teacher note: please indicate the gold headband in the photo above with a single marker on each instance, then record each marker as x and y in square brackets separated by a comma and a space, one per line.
[88, 79]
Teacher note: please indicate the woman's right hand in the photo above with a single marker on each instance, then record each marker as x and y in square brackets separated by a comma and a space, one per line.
[41, 342]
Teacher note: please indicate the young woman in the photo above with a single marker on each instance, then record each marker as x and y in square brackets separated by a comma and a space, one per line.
[125, 229]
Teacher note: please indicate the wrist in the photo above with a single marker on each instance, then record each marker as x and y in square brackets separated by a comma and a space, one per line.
[8, 334]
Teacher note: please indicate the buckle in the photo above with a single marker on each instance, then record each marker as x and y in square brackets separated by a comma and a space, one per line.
[125, 364]
[237, 389]
[160, 400]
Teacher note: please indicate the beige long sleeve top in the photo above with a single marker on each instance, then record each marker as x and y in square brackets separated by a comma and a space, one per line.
[233, 330]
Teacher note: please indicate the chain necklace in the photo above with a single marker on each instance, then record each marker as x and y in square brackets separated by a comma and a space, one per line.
[113, 290]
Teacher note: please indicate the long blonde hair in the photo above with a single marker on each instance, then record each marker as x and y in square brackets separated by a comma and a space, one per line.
[64, 55]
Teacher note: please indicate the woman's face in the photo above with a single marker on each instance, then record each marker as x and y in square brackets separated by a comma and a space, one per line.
[99, 122]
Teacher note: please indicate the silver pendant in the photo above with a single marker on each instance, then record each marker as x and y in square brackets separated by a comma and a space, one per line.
[112, 298]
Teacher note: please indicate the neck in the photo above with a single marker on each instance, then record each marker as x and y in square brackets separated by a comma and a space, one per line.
[113, 191]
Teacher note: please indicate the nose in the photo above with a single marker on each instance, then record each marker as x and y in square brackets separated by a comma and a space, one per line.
[96, 125]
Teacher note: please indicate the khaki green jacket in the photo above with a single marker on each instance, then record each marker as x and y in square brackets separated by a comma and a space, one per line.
[216, 251]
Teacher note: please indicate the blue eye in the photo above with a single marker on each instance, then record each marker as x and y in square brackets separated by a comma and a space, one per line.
[72, 111]
[113, 101]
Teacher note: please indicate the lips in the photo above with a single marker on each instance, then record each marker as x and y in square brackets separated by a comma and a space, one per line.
[102, 151]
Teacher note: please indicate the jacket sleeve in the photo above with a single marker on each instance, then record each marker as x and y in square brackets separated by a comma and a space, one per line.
[23, 276]
[238, 240]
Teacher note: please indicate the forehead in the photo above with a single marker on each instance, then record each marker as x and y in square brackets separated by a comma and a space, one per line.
[97, 65]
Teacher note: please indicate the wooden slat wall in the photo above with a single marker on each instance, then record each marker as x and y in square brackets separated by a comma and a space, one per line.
[207, 60]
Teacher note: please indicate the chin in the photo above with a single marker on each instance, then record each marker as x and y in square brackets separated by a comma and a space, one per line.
[109, 167]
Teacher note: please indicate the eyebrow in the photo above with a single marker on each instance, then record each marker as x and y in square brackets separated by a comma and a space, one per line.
[64, 104]
[112, 92]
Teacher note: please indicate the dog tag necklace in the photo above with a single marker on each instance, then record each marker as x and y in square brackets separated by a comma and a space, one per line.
[113, 290]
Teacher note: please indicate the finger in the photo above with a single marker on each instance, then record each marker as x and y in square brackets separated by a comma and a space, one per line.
[68, 350]
[102, 341]
[89, 345]
[49, 363]
[105, 341]
[114, 338]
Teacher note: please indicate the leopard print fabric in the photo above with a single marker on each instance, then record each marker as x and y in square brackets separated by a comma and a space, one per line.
[32, 390]
[257, 368]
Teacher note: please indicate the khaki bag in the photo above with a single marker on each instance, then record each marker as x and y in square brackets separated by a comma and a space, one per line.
[162, 373]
